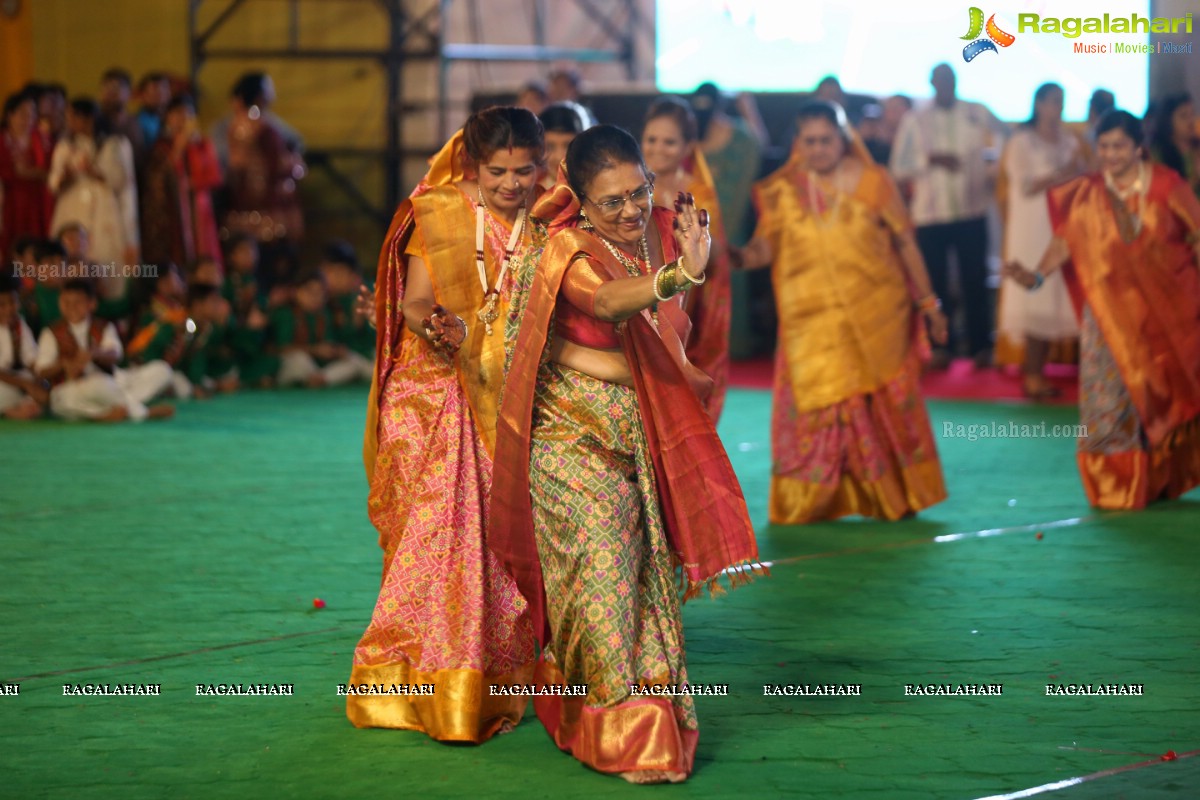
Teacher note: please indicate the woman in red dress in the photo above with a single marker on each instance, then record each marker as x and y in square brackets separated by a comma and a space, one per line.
[178, 222]
[24, 162]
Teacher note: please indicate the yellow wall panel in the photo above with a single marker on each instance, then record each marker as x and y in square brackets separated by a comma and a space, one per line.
[16, 51]
[332, 103]
[75, 41]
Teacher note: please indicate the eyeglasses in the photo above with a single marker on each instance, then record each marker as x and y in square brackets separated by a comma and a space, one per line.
[639, 197]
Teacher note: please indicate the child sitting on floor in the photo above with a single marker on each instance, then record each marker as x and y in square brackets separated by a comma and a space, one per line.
[22, 396]
[189, 340]
[225, 339]
[343, 278]
[247, 328]
[166, 298]
[78, 355]
[240, 286]
[303, 334]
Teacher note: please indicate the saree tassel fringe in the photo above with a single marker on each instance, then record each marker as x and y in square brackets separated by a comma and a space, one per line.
[737, 575]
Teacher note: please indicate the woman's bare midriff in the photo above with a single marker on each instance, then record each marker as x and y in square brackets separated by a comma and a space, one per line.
[605, 365]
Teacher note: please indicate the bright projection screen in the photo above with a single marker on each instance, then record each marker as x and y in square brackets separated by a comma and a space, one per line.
[885, 47]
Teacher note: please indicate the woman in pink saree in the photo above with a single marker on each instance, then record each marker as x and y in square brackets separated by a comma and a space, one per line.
[449, 620]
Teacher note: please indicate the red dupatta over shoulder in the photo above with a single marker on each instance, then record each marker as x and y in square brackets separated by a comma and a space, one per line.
[703, 509]
[1144, 293]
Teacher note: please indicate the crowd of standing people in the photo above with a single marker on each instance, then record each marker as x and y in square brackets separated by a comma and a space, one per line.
[178, 249]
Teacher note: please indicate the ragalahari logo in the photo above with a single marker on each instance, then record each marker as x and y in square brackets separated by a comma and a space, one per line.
[995, 36]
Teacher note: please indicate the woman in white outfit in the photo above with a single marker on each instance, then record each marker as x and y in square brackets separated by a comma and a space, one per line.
[92, 178]
[1039, 155]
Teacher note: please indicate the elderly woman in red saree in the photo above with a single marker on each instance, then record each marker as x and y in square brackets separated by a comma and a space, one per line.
[669, 144]
[609, 473]
[447, 614]
[1128, 241]
[849, 428]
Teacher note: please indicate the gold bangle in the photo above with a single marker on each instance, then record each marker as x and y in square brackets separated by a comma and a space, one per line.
[678, 285]
[671, 279]
[659, 293]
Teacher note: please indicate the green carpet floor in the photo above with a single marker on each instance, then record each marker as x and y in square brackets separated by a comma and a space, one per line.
[191, 551]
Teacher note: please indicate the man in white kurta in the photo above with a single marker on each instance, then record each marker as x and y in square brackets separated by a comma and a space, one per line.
[943, 150]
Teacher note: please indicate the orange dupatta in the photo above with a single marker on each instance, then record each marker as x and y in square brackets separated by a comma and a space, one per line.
[703, 509]
[436, 204]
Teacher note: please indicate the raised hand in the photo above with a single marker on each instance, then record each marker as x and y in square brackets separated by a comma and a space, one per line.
[692, 234]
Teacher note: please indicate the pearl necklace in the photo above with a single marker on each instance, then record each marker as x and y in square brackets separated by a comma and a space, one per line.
[634, 266]
[491, 297]
[1139, 184]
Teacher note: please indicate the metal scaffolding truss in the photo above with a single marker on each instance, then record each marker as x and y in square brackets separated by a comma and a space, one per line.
[416, 33]
[615, 19]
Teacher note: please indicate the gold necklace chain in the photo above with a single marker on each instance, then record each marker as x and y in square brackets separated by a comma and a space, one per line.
[632, 266]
